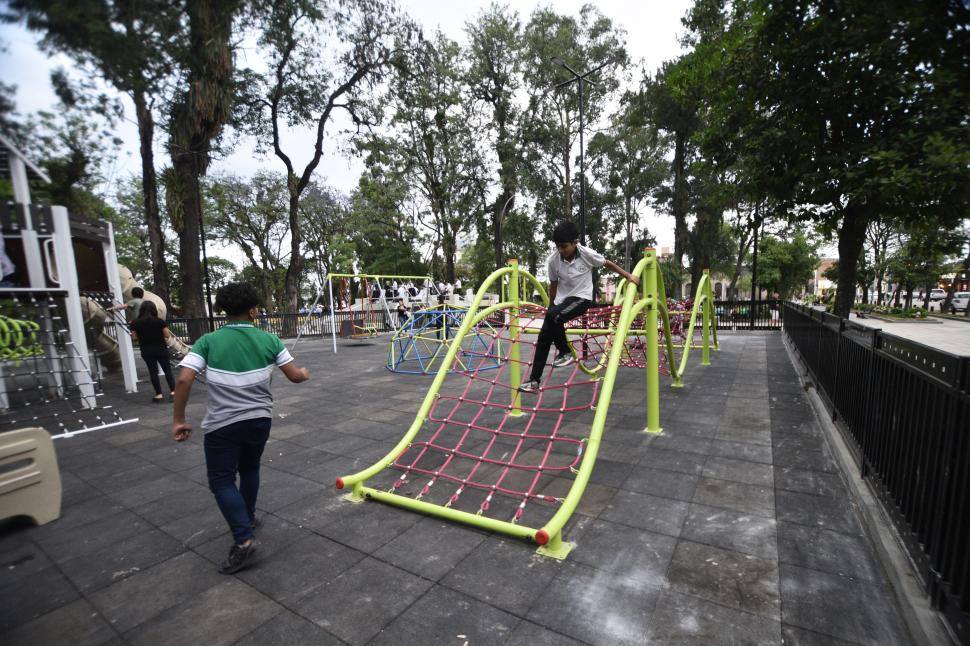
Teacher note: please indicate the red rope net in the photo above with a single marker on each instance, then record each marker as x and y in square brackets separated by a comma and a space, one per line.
[472, 447]
[474, 454]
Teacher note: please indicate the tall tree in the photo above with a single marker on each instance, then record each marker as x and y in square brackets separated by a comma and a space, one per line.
[129, 44]
[383, 232]
[883, 130]
[251, 214]
[431, 143]
[582, 42]
[628, 161]
[325, 221]
[196, 118]
[322, 57]
[494, 78]
[786, 264]
[673, 108]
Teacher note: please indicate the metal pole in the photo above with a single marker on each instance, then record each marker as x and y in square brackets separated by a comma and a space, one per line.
[651, 292]
[333, 323]
[582, 166]
[582, 80]
[515, 367]
[754, 264]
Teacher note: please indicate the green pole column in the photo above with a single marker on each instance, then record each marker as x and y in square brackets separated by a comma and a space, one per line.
[706, 319]
[515, 368]
[650, 290]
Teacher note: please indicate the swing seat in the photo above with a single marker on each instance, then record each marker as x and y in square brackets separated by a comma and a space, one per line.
[364, 332]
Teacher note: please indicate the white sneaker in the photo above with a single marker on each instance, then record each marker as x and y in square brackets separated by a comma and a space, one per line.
[529, 387]
[563, 360]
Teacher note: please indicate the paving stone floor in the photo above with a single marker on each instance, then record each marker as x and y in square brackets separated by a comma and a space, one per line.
[732, 527]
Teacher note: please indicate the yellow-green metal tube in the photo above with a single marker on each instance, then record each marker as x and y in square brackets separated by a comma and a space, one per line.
[553, 528]
[432, 394]
[706, 323]
[651, 295]
[665, 318]
[449, 513]
[515, 368]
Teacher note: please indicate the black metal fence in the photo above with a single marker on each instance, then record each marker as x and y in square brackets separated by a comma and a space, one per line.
[740, 315]
[288, 325]
[905, 409]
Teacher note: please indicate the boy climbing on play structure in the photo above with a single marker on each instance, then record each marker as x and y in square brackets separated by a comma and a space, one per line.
[570, 270]
[239, 360]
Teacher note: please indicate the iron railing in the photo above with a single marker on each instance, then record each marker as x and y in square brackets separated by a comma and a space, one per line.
[285, 325]
[905, 410]
[740, 315]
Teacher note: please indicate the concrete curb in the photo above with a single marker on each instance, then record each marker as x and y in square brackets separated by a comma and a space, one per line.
[925, 625]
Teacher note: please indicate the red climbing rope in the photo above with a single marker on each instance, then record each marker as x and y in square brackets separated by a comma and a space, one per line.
[473, 437]
[475, 441]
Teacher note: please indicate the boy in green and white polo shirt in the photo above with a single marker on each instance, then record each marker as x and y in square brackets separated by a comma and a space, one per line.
[239, 360]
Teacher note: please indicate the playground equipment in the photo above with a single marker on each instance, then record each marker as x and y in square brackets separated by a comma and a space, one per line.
[422, 341]
[48, 376]
[361, 314]
[30, 483]
[503, 456]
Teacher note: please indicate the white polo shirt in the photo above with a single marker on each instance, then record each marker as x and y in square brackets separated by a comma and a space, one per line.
[575, 277]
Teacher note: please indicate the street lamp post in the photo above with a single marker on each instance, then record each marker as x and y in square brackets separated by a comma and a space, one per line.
[581, 81]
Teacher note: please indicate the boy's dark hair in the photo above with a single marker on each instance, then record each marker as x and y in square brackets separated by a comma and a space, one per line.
[565, 231]
[236, 298]
[137, 292]
[147, 309]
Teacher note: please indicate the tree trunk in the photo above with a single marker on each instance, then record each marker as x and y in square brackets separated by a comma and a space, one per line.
[294, 272]
[197, 117]
[852, 235]
[909, 296]
[497, 218]
[149, 188]
[629, 233]
[926, 296]
[190, 266]
[679, 205]
[448, 251]
[964, 268]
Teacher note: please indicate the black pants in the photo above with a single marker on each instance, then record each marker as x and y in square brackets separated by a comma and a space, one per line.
[154, 357]
[554, 331]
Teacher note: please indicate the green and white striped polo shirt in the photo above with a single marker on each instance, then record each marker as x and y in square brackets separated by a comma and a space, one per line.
[239, 360]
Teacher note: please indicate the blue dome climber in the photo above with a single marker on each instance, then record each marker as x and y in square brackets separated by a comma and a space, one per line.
[421, 343]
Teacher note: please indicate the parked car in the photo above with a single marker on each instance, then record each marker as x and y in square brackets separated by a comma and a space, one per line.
[959, 302]
[937, 294]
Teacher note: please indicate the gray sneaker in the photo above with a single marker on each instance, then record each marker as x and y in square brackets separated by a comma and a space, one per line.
[239, 558]
[563, 360]
[529, 387]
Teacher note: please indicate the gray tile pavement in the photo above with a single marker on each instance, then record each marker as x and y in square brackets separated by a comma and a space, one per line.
[734, 526]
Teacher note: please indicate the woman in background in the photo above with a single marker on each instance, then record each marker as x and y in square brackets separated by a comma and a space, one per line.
[151, 332]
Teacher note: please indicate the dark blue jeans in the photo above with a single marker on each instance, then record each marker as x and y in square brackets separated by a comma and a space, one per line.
[233, 449]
